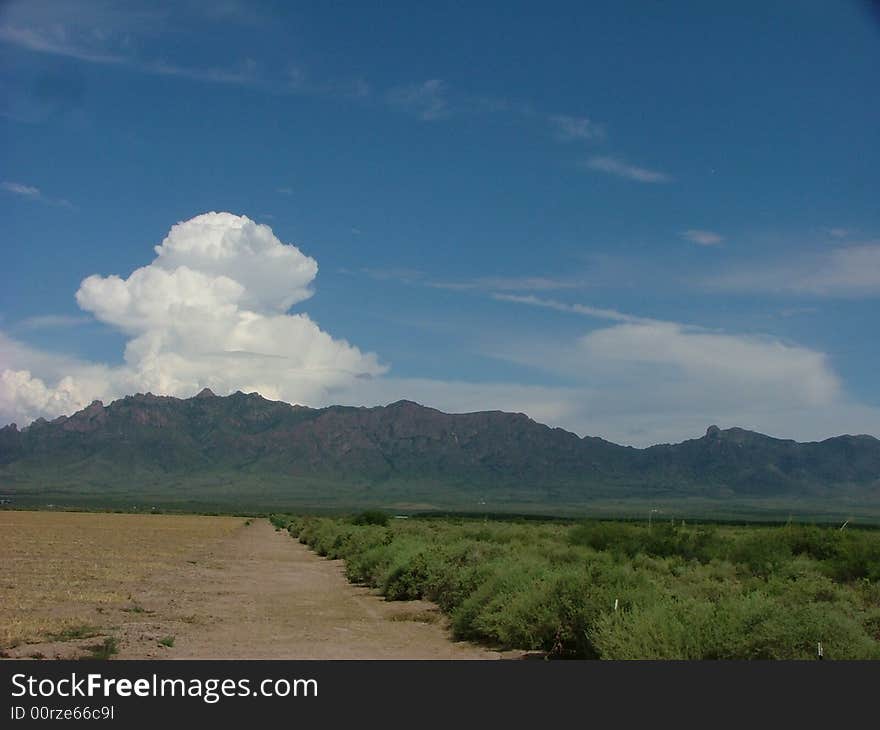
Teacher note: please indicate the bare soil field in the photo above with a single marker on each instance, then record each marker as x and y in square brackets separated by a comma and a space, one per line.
[192, 587]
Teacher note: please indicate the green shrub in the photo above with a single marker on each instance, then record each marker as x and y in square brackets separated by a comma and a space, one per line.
[857, 557]
[762, 553]
[279, 522]
[621, 590]
[816, 542]
[660, 540]
[104, 650]
[371, 517]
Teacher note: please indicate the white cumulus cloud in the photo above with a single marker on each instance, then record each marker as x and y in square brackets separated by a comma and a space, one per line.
[643, 381]
[760, 367]
[211, 310]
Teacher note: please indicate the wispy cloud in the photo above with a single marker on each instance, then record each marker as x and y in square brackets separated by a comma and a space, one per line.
[846, 272]
[619, 168]
[788, 312]
[284, 191]
[59, 42]
[596, 312]
[485, 284]
[53, 321]
[510, 283]
[494, 104]
[702, 237]
[427, 100]
[401, 274]
[105, 39]
[569, 129]
[244, 75]
[839, 232]
[98, 48]
[30, 192]
[55, 42]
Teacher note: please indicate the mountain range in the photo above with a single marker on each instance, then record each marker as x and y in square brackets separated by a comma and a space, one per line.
[244, 451]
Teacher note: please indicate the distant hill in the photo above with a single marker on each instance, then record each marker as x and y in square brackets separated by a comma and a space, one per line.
[245, 451]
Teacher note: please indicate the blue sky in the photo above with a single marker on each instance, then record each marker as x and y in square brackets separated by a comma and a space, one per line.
[627, 219]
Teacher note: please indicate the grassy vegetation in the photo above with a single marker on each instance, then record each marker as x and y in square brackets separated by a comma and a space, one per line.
[72, 633]
[614, 590]
[247, 496]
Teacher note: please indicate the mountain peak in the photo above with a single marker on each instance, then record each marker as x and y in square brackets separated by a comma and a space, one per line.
[409, 453]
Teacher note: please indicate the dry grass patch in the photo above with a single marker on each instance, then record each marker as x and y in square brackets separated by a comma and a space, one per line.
[63, 570]
[429, 615]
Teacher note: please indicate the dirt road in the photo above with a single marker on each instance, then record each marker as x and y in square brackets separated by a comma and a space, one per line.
[259, 594]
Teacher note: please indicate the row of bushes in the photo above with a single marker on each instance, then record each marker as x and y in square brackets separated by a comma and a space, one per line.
[620, 591]
[845, 555]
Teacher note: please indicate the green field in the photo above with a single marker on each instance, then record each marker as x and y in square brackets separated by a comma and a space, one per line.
[618, 590]
[235, 495]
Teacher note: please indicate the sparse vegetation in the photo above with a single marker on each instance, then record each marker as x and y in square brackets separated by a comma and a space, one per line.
[615, 590]
[72, 633]
[74, 575]
[135, 609]
[104, 650]
[166, 641]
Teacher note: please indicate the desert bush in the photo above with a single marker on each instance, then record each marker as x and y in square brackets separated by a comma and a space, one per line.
[279, 522]
[660, 540]
[819, 543]
[371, 517]
[761, 553]
[857, 557]
[681, 592]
